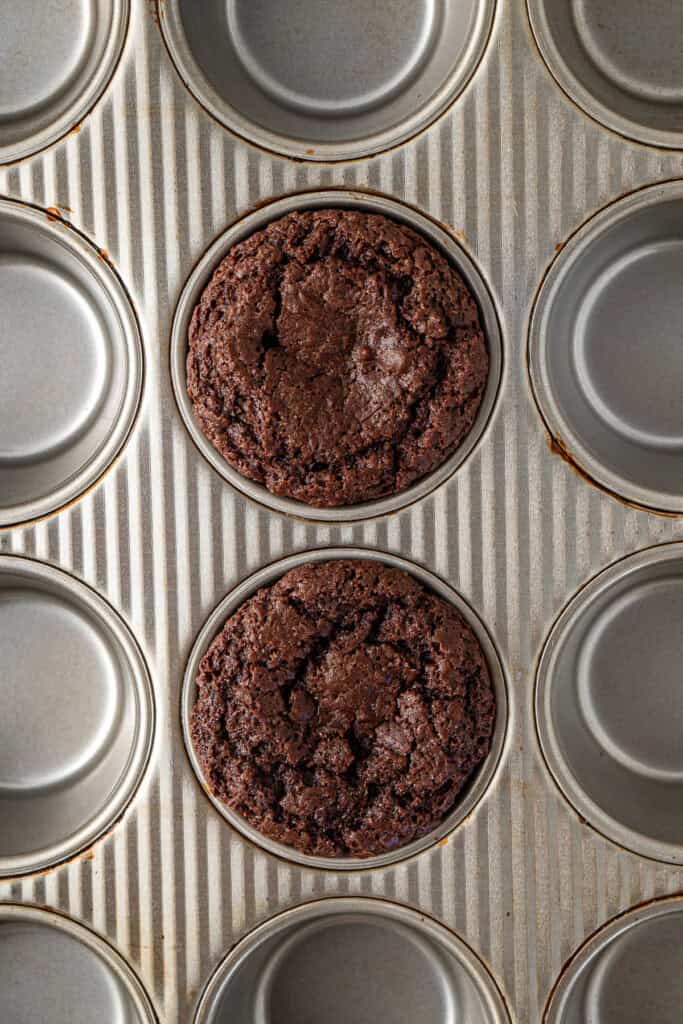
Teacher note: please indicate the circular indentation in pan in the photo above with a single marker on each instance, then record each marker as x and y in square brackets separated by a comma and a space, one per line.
[320, 80]
[629, 971]
[435, 235]
[53, 969]
[609, 702]
[55, 61]
[620, 61]
[76, 716]
[481, 778]
[605, 352]
[365, 960]
[72, 364]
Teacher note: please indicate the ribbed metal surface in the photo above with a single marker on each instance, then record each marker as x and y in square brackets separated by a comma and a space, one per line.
[514, 168]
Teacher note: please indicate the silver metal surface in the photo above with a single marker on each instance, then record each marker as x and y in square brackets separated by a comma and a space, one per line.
[56, 59]
[630, 971]
[319, 80]
[72, 363]
[609, 702]
[474, 791]
[620, 61]
[605, 349]
[55, 970]
[356, 959]
[435, 234]
[516, 168]
[76, 716]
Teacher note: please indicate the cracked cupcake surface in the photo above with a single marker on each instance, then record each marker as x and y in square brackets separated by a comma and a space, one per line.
[342, 710]
[336, 357]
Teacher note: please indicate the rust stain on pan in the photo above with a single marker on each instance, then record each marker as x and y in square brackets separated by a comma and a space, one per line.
[105, 257]
[89, 853]
[558, 447]
[460, 235]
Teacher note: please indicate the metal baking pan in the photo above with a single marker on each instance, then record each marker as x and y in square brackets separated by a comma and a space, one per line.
[55, 61]
[611, 301]
[608, 702]
[52, 968]
[66, 409]
[628, 971]
[265, 72]
[540, 145]
[354, 959]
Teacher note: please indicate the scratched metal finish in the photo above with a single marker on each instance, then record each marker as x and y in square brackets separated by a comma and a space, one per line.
[513, 168]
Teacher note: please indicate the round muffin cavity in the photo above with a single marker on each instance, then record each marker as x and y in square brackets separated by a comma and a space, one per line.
[336, 357]
[342, 710]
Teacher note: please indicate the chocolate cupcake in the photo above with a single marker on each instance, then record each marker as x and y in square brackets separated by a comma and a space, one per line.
[336, 357]
[342, 710]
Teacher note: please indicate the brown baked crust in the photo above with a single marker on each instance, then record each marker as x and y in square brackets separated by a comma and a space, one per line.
[342, 710]
[336, 357]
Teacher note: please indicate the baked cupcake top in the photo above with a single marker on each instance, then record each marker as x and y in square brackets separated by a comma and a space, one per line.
[336, 357]
[342, 710]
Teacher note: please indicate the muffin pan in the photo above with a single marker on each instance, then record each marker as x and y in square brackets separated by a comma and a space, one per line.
[539, 146]
[605, 348]
[476, 787]
[72, 363]
[630, 971]
[77, 716]
[351, 959]
[621, 62]
[55, 61]
[203, 272]
[39, 951]
[609, 702]
[265, 73]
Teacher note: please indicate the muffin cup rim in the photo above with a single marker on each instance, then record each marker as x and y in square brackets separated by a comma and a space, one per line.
[581, 97]
[598, 820]
[142, 744]
[313, 910]
[109, 282]
[563, 438]
[367, 147]
[94, 941]
[599, 940]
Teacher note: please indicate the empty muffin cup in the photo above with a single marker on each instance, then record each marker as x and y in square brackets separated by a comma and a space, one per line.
[342, 959]
[266, 74]
[629, 971]
[393, 847]
[72, 364]
[54, 969]
[76, 716]
[609, 702]
[620, 62]
[404, 346]
[55, 61]
[605, 352]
